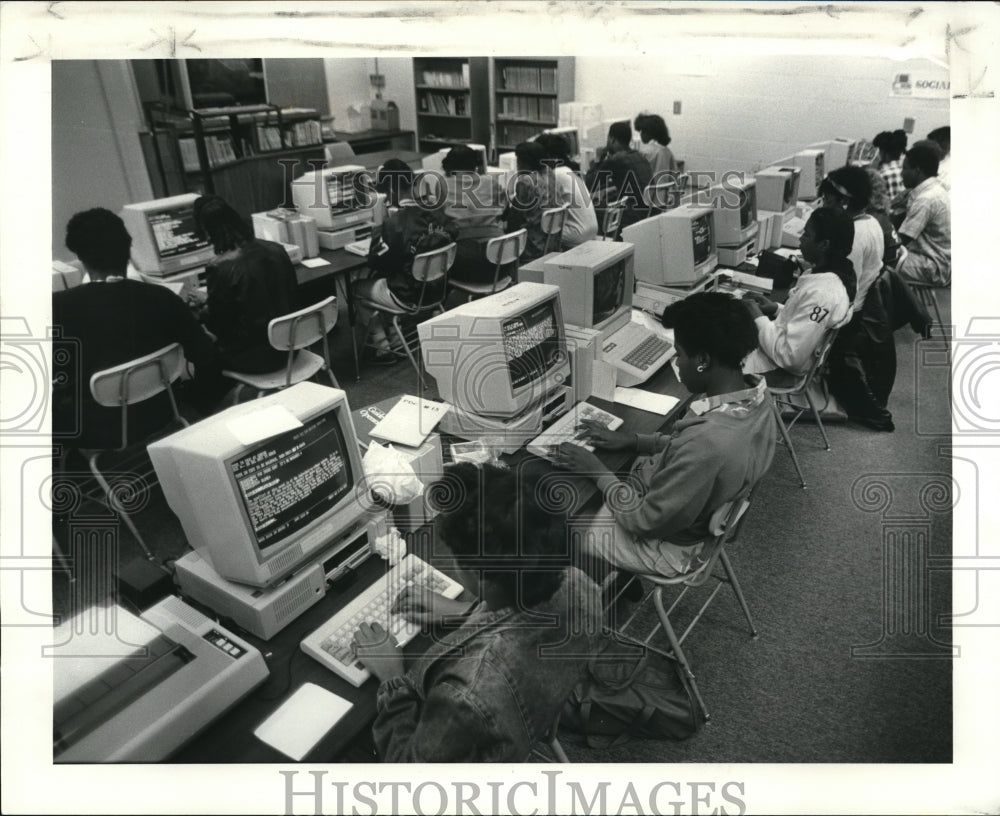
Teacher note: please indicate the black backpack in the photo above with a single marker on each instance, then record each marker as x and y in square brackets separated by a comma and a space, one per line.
[631, 690]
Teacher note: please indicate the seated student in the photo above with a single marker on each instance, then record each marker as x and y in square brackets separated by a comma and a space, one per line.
[849, 189]
[660, 518]
[878, 208]
[891, 146]
[655, 137]
[407, 231]
[819, 301]
[475, 205]
[620, 172]
[926, 229]
[113, 320]
[568, 188]
[530, 190]
[942, 136]
[490, 689]
[250, 282]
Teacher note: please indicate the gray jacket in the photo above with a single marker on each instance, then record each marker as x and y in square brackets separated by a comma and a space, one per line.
[489, 690]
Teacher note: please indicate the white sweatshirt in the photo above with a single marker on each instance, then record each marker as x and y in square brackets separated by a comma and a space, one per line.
[817, 303]
[866, 255]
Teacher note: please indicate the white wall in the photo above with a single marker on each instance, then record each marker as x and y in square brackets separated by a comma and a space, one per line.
[347, 83]
[743, 112]
[97, 160]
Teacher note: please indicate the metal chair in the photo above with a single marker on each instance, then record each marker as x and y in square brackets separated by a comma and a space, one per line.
[926, 293]
[500, 251]
[127, 384]
[551, 741]
[782, 397]
[552, 223]
[611, 229]
[724, 526]
[428, 267]
[292, 333]
[661, 195]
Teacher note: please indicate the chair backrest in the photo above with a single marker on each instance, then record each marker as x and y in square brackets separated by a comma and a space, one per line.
[820, 354]
[552, 223]
[429, 267]
[662, 195]
[613, 219]
[339, 152]
[138, 380]
[506, 249]
[303, 328]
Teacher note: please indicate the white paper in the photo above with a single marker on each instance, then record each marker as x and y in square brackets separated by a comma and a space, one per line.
[303, 720]
[262, 424]
[752, 280]
[312, 263]
[410, 421]
[645, 400]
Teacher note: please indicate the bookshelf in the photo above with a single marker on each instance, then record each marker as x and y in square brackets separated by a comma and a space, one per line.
[452, 101]
[239, 153]
[526, 95]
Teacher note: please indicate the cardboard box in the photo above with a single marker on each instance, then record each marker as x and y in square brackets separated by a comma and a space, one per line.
[384, 115]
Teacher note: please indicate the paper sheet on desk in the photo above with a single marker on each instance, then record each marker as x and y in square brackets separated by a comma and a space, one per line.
[262, 424]
[645, 400]
[312, 263]
[303, 720]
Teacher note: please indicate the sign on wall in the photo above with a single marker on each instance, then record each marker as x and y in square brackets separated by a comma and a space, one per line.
[921, 85]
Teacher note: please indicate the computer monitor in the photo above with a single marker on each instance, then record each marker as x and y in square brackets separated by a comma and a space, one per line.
[164, 236]
[337, 197]
[838, 151]
[675, 248]
[735, 203]
[777, 188]
[595, 281]
[812, 163]
[501, 354]
[571, 135]
[264, 488]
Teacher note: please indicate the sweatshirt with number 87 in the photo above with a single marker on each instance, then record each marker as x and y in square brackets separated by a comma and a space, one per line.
[817, 303]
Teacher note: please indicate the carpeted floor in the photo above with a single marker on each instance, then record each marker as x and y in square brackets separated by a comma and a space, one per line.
[833, 568]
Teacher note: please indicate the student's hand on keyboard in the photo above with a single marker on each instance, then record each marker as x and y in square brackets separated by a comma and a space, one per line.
[420, 604]
[598, 435]
[378, 651]
[578, 459]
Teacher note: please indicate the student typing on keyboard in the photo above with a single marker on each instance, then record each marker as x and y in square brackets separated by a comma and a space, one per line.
[660, 518]
[487, 690]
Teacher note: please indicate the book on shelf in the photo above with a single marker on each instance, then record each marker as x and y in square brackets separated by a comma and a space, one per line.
[447, 79]
[529, 78]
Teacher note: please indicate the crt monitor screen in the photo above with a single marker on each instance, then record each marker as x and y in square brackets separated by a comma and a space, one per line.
[175, 233]
[290, 480]
[748, 206]
[701, 238]
[609, 292]
[531, 344]
[788, 197]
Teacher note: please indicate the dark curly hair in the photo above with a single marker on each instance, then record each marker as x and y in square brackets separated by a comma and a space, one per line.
[98, 238]
[852, 179]
[462, 158]
[655, 128]
[891, 143]
[493, 521]
[715, 324]
[924, 158]
[220, 223]
[556, 150]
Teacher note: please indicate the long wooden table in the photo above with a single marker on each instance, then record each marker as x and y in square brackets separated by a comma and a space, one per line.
[231, 738]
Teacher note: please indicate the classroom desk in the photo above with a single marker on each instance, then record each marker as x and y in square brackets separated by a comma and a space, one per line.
[231, 740]
[372, 161]
[371, 141]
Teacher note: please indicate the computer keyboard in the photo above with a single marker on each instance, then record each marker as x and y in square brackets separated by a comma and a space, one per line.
[647, 352]
[566, 428]
[331, 643]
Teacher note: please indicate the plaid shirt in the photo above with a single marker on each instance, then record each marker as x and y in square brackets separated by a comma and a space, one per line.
[892, 172]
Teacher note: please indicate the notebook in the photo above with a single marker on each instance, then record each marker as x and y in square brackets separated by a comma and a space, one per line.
[302, 720]
[410, 421]
[360, 247]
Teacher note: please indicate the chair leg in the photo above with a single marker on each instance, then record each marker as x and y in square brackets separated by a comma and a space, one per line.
[333, 379]
[787, 439]
[678, 652]
[409, 352]
[557, 749]
[113, 504]
[737, 589]
[816, 416]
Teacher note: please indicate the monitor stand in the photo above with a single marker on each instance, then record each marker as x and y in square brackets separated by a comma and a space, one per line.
[265, 611]
[508, 434]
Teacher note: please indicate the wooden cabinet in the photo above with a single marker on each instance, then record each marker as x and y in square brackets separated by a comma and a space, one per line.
[247, 155]
[452, 98]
